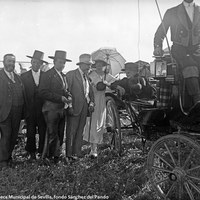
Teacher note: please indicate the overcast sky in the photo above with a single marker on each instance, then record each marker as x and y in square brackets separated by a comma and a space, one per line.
[80, 26]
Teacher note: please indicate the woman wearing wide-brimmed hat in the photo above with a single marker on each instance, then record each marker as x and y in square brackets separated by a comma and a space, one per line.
[95, 127]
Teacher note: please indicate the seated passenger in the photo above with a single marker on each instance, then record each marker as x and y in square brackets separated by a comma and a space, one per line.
[135, 86]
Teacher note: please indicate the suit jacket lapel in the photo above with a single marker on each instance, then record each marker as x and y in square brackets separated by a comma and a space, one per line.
[182, 15]
[78, 76]
[30, 78]
[196, 15]
[57, 77]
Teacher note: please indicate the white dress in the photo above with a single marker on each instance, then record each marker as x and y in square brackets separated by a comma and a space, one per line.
[98, 120]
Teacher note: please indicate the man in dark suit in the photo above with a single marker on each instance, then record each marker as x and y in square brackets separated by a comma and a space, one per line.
[53, 90]
[133, 83]
[34, 119]
[82, 102]
[184, 22]
[12, 100]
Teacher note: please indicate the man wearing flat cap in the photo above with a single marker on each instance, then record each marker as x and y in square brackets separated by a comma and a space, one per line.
[34, 116]
[82, 101]
[133, 83]
[53, 90]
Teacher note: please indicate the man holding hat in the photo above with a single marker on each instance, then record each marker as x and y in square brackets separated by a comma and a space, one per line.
[53, 90]
[133, 83]
[34, 116]
[82, 102]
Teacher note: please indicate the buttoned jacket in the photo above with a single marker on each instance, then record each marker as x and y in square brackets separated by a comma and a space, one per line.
[76, 88]
[6, 94]
[177, 20]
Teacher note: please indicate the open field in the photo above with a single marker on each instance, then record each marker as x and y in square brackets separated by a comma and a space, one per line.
[108, 177]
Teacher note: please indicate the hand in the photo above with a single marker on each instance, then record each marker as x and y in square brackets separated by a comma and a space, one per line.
[106, 83]
[158, 51]
[70, 111]
[91, 108]
[64, 99]
[120, 90]
[139, 86]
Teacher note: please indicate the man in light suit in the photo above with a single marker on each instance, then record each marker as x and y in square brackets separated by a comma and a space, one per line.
[184, 22]
[34, 119]
[82, 102]
[53, 90]
[12, 100]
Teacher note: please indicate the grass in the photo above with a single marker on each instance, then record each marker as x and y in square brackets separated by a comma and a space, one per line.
[108, 177]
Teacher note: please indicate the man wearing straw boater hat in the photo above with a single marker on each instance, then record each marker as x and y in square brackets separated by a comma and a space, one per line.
[82, 102]
[34, 119]
[53, 90]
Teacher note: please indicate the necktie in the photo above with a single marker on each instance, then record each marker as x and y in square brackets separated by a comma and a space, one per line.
[12, 77]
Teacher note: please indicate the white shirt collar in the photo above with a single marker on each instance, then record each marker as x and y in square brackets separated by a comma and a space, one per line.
[80, 71]
[8, 73]
[38, 72]
[188, 4]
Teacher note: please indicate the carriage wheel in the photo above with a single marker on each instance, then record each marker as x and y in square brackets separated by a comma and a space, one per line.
[113, 125]
[173, 165]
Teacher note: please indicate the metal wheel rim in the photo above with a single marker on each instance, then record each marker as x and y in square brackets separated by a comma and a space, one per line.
[181, 175]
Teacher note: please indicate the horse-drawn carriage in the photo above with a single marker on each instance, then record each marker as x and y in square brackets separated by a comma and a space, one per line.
[173, 161]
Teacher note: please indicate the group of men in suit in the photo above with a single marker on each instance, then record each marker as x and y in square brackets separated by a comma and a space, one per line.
[44, 100]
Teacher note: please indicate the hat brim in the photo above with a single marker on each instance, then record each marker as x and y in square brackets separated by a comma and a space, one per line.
[67, 60]
[39, 59]
[87, 63]
[105, 63]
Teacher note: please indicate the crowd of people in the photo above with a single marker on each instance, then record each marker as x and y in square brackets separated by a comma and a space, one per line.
[53, 103]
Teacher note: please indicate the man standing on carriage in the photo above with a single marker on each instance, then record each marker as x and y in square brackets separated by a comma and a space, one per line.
[184, 22]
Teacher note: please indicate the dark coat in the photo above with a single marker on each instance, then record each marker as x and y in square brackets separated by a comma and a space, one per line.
[34, 101]
[177, 20]
[51, 90]
[6, 94]
[75, 86]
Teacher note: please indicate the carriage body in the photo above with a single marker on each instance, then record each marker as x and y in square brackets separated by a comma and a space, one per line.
[173, 161]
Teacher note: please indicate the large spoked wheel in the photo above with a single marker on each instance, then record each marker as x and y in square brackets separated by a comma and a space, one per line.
[113, 125]
[174, 168]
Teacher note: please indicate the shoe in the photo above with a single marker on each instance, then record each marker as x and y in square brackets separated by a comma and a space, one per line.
[93, 155]
[56, 160]
[38, 156]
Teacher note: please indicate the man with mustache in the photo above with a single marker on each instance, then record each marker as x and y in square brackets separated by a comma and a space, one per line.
[11, 107]
[184, 23]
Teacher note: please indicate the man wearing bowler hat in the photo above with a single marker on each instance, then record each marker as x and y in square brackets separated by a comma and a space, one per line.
[34, 116]
[83, 103]
[53, 89]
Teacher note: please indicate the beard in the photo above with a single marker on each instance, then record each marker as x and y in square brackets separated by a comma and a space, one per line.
[188, 1]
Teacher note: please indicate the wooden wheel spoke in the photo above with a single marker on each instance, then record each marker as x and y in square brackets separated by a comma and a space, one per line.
[194, 178]
[179, 153]
[188, 158]
[161, 181]
[170, 189]
[159, 156]
[171, 156]
[194, 186]
[180, 191]
[161, 169]
[194, 168]
[189, 191]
